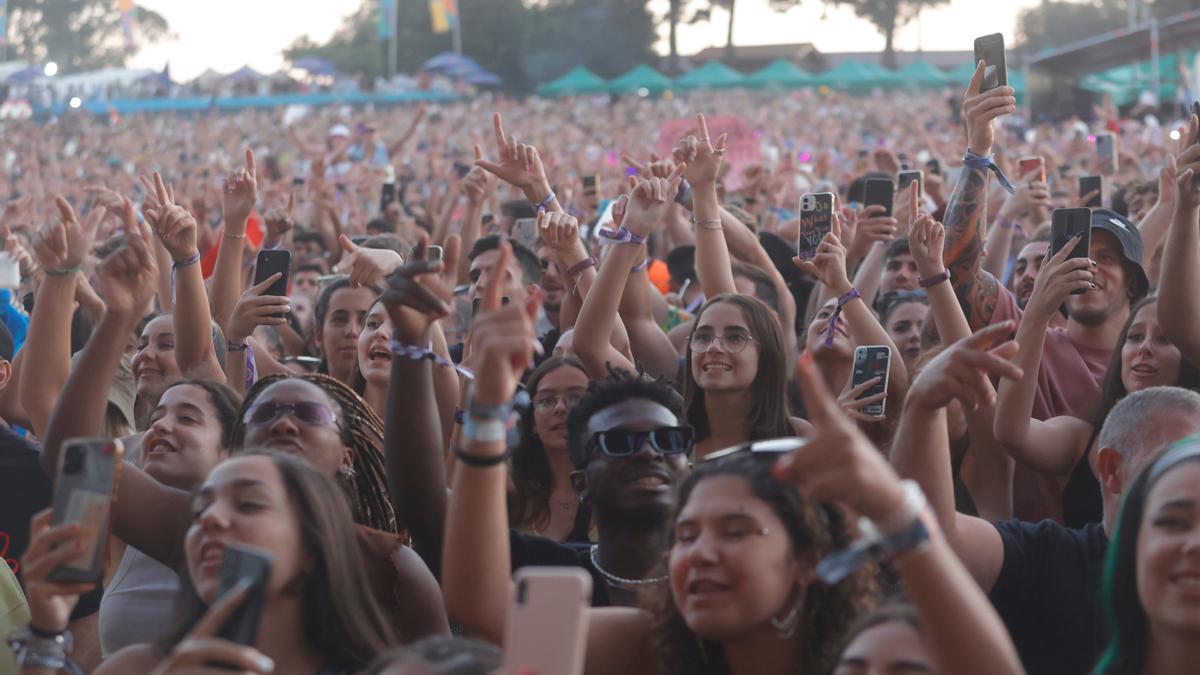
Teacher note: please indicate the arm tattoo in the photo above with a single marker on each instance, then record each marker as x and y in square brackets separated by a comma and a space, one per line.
[965, 235]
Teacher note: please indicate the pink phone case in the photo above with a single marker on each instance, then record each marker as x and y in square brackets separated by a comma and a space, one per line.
[547, 621]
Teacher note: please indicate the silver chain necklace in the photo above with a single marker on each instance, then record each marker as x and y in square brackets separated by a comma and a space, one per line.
[621, 582]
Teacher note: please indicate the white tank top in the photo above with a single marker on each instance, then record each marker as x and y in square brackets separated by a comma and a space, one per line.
[138, 605]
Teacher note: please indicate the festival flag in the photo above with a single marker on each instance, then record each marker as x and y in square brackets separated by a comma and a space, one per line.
[439, 13]
[451, 7]
[387, 19]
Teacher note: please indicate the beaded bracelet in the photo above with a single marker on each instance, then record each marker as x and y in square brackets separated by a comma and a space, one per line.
[64, 272]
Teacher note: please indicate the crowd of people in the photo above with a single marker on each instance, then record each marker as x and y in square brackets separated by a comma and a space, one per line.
[577, 334]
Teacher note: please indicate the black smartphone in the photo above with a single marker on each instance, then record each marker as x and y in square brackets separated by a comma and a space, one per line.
[880, 191]
[1065, 225]
[478, 302]
[83, 496]
[990, 50]
[591, 190]
[271, 261]
[905, 177]
[238, 563]
[434, 253]
[1092, 184]
[871, 362]
[1106, 154]
[816, 220]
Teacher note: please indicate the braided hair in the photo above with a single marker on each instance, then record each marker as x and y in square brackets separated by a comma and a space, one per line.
[366, 486]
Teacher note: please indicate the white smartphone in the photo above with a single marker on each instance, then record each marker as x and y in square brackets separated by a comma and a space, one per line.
[547, 621]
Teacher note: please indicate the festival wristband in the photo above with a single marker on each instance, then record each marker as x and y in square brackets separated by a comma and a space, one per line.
[988, 163]
[837, 313]
[477, 460]
[578, 268]
[64, 272]
[545, 203]
[619, 236]
[934, 280]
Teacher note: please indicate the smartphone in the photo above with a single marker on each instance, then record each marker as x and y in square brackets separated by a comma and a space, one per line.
[1065, 225]
[83, 495]
[1030, 164]
[548, 621]
[387, 195]
[816, 220]
[871, 362]
[253, 565]
[434, 253]
[591, 190]
[1092, 183]
[881, 191]
[1106, 154]
[525, 231]
[934, 166]
[478, 302]
[990, 50]
[906, 177]
[271, 261]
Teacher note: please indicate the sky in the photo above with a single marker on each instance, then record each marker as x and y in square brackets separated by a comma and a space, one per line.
[226, 34]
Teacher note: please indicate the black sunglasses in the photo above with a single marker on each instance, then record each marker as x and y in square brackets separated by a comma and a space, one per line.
[664, 440]
[772, 449]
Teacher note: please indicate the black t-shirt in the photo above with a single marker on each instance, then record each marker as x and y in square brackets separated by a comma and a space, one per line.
[1048, 594]
[530, 550]
[25, 489]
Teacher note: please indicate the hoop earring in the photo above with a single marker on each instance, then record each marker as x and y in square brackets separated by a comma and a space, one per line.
[785, 628]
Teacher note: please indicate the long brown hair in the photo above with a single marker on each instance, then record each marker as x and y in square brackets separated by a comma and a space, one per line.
[342, 620]
[815, 531]
[768, 416]
[362, 433]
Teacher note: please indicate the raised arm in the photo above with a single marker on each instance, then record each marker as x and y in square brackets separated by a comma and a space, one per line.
[477, 186]
[921, 449]
[1030, 196]
[1051, 446]
[237, 201]
[395, 147]
[960, 626]
[1157, 221]
[61, 247]
[520, 166]
[477, 568]
[176, 229]
[415, 299]
[149, 516]
[1178, 301]
[965, 218]
[598, 317]
[702, 157]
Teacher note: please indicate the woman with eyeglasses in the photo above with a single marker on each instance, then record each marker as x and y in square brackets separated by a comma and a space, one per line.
[543, 500]
[736, 375]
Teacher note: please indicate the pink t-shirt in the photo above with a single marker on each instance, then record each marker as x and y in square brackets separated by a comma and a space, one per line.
[1070, 375]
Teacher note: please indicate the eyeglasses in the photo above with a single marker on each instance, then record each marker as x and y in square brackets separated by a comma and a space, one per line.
[548, 402]
[772, 449]
[308, 413]
[664, 440]
[733, 343]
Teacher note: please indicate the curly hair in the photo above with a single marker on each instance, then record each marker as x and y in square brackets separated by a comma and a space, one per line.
[815, 531]
[367, 489]
[531, 473]
[619, 386]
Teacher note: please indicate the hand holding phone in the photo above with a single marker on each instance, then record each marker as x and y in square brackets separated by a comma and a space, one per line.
[548, 621]
[83, 496]
[990, 50]
[880, 192]
[1091, 185]
[816, 221]
[872, 363]
[1066, 225]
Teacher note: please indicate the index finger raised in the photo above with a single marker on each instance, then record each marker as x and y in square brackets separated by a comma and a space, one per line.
[498, 129]
[491, 297]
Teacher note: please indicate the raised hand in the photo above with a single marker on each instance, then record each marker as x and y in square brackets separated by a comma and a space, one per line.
[240, 195]
[851, 404]
[829, 265]
[838, 463]
[519, 165]
[702, 157]
[1058, 278]
[503, 340]
[478, 184]
[926, 240]
[128, 276]
[417, 295]
[559, 230]
[1030, 196]
[979, 110]
[872, 226]
[1188, 167]
[173, 224]
[279, 221]
[50, 603]
[366, 266]
[201, 647]
[961, 370]
[63, 245]
[254, 309]
[649, 200]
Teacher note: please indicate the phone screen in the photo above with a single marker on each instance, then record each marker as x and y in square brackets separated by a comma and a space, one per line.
[880, 191]
[906, 177]
[1088, 184]
[83, 496]
[871, 362]
[816, 220]
[525, 231]
[1065, 225]
[1106, 154]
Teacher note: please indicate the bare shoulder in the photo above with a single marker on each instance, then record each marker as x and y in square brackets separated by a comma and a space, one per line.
[132, 660]
[619, 643]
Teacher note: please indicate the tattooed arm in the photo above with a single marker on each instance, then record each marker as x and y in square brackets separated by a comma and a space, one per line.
[966, 221]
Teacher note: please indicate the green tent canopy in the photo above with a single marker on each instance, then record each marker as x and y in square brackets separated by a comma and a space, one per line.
[855, 76]
[712, 75]
[1126, 83]
[638, 77]
[781, 73]
[579, 81]
[922, 74]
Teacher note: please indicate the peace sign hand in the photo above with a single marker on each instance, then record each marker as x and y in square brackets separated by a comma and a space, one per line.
[648, 201]
[63, 245]
[703, 159]
[174, 225]
[128, 274]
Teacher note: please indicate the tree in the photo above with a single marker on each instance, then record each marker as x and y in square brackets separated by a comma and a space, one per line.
[620, 34]
[1055, 23]
[887, 15]
[78, 34]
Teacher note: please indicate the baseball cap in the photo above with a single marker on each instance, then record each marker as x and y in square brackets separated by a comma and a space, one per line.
[339, 130]
[1130, 241]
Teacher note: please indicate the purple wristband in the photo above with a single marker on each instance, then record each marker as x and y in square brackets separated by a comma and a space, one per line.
[934, 280]
[545, 203]
[837, 312]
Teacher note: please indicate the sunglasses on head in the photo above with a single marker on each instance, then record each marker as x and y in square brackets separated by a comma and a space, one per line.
[664, 440]
[308, 413]
[772, 449]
